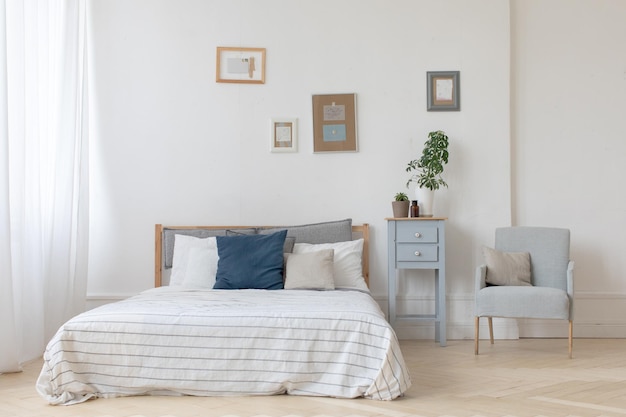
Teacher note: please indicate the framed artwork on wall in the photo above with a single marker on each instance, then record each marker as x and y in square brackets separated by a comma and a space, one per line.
[284, 135]
[443, 91]
[240, 65]
[334, 123]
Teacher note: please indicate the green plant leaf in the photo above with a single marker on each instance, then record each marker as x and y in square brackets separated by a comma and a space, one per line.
[430, 165]
[401, 197]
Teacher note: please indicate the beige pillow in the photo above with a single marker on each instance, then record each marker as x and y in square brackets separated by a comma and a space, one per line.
[507, 268]
[310, 271]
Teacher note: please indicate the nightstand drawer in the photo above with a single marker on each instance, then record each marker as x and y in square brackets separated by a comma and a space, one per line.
[415, 233]
[410, 252]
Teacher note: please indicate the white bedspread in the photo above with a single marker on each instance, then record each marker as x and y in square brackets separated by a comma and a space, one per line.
[226, 342]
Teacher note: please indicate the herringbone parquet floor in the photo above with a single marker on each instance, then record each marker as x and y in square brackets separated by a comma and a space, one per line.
[529, 377]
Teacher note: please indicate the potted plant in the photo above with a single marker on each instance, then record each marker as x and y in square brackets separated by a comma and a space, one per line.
[428, 169]
[400, 205]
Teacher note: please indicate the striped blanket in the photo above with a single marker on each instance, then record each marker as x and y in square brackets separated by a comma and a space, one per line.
[172, 341]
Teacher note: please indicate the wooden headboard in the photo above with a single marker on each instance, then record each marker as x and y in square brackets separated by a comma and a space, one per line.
[358, 232]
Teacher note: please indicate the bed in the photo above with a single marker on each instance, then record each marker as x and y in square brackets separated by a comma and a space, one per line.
[217, 325]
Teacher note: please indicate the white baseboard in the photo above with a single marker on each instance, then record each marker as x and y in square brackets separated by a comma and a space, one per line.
[96, 300]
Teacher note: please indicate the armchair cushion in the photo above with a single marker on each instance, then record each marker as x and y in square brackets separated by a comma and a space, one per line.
[523, 302]
[507, 268]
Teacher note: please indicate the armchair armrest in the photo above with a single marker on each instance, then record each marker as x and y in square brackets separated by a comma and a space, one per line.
[480, 276]
[570, 288]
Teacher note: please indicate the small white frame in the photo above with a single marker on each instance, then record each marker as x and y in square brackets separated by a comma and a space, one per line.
[283, 134]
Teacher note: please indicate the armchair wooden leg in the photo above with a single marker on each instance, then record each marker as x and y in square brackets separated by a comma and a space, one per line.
[490, 320]
[476, 334]
[571, 338]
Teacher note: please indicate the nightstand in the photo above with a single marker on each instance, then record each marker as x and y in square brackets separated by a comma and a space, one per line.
[418, 243]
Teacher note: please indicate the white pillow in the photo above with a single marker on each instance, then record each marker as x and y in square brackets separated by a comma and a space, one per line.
[194, 264]
[201, 268]
[347, 267]
[310, 271]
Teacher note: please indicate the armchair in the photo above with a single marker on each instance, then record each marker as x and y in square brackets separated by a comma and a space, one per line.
[551, 295]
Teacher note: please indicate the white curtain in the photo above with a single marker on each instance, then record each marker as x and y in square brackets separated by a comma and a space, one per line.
[43, 172]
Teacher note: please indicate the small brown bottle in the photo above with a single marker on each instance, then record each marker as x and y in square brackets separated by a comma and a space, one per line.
[415, 209]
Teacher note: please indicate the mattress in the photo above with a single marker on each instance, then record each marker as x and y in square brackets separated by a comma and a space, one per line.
[176, 341]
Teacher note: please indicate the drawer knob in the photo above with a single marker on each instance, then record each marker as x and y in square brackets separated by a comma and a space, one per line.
[418, 234]
[417, 253]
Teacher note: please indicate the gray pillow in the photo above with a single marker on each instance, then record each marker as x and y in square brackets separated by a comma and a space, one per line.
[314, 233]
[288, 246]
[238, 232]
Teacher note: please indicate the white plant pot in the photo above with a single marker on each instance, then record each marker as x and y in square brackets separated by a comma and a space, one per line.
[425, 198]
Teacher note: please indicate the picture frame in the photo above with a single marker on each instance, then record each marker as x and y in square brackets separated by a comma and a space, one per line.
[334, 123]
[443, 91]
[283, 134]
[240, 65]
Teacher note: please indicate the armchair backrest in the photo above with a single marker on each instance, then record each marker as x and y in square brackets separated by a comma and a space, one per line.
[548, 248]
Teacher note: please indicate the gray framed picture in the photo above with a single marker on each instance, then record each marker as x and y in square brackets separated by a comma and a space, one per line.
[443, 91]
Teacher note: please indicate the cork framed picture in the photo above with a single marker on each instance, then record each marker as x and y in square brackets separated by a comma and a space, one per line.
[443, 91]
[240, 65]
[334, 123]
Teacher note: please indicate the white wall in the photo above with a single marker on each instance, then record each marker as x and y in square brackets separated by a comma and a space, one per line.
[172, 146]
[569, 107]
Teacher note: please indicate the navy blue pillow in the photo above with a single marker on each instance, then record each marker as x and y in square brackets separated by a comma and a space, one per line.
[250, 261]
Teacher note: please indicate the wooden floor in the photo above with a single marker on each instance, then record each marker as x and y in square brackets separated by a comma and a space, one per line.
[530, 377]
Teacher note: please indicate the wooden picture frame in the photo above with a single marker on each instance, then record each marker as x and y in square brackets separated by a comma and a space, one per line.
[443, 90]
[283, 135]
[240, 65]
[334, 123]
